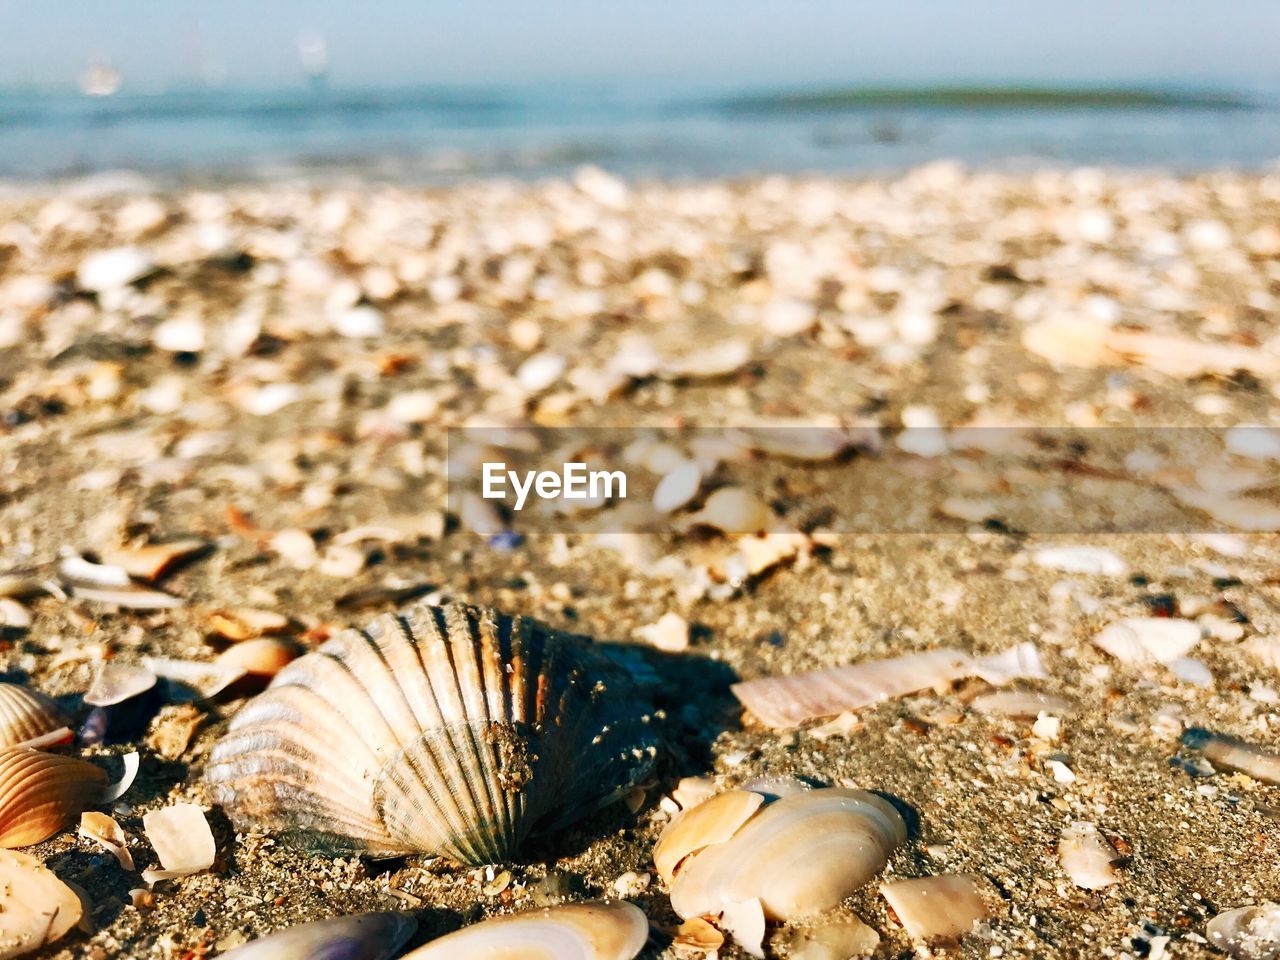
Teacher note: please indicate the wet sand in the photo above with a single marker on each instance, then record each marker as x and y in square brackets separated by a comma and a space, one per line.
[267, 359]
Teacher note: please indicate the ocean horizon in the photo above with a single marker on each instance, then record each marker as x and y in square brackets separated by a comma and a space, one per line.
[436, 135]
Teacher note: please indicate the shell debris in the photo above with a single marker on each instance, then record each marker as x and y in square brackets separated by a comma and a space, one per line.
[36, 908]
[941, 908]
[182, 840]
[595, 930]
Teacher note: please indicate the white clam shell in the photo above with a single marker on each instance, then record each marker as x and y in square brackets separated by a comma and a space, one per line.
[448, 730]
[581, 931]
[798, 856]
[362, 936]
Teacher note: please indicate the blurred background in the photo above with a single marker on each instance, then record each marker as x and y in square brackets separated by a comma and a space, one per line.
[435, 92]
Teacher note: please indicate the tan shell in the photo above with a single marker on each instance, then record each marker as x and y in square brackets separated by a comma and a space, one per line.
[449, 730]
[41, 792]
[713, 821]
[939, 908]
[361, 936]
[35, 906]
[599, 930]
[26, 714]
[799, 855]
[264, 657]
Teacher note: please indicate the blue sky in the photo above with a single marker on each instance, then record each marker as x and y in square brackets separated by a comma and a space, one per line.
[722, 43]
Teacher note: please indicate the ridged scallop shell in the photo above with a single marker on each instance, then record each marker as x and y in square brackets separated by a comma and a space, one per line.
[40, 793]
[600, 930]
[798, 856]
[446, 730]
[363, 936]
[26, 714]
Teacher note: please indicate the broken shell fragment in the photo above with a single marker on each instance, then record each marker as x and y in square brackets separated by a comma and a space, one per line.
[108, 834]
[447, 730]
[698, 934]
[733, 510]
[798, 856]
[182, 840]
[1247, 933]
[1086, 856]
[41, 792]
[596, 930]
[117, 682]
[153, 560]
[1235, 755]
[362, 936]
[1145, 640]
[191, 680]
[745, 922]
[1025, 704]
[786, 701]
[832, 940]
[36, 908]
[246, 623]
[940, 908]
[26, 714]
[264, 657]
[712, 821]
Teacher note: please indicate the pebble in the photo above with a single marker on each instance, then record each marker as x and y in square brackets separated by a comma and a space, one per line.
[360, 322]
[1082, 559]
[540, 371]
[670, 633]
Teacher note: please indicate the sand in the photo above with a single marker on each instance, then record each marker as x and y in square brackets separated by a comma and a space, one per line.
[238, 375]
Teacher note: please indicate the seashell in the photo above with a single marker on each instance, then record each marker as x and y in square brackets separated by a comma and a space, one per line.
[1098, 561]
[1146, 640]
[151, 561]
[596, 930]
[246, 623]
[691, 791]
[36, 908]
[832, 940]
[1089, 860]
[264, 657]
[669, 633]
[105, 583]
[41, 792]
[105, 832]
[745, 922]
[799, 855]
[173, 728]
[790, 700]
[362, 936]
[189, 680]
[802, 439]
[1235, 755]
[726, 357]
[182, 840]
[1247, 933]
[1021, 704]
[712, 821]
[697, 934]
[733, 510]
[118, 682]
[938, 908]
[448, 730]
[26, 714]
[13, 615]
[677, 487]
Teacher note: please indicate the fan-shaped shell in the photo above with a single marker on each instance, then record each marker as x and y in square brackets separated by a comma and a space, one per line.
[446, 730]
[363, 936]
[799, 855]
[600, 930]
[41, 792]
[26, 714]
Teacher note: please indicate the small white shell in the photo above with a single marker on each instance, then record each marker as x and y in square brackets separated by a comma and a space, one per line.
[712, 821]
[35, 906]
[362, 936]
[118, 682]
[1088, 859]
[581, 931]
[798, 856]
[1247, 933]
[1144, 640]
[105, 832]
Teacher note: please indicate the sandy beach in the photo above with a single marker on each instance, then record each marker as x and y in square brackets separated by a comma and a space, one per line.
[273, 370]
